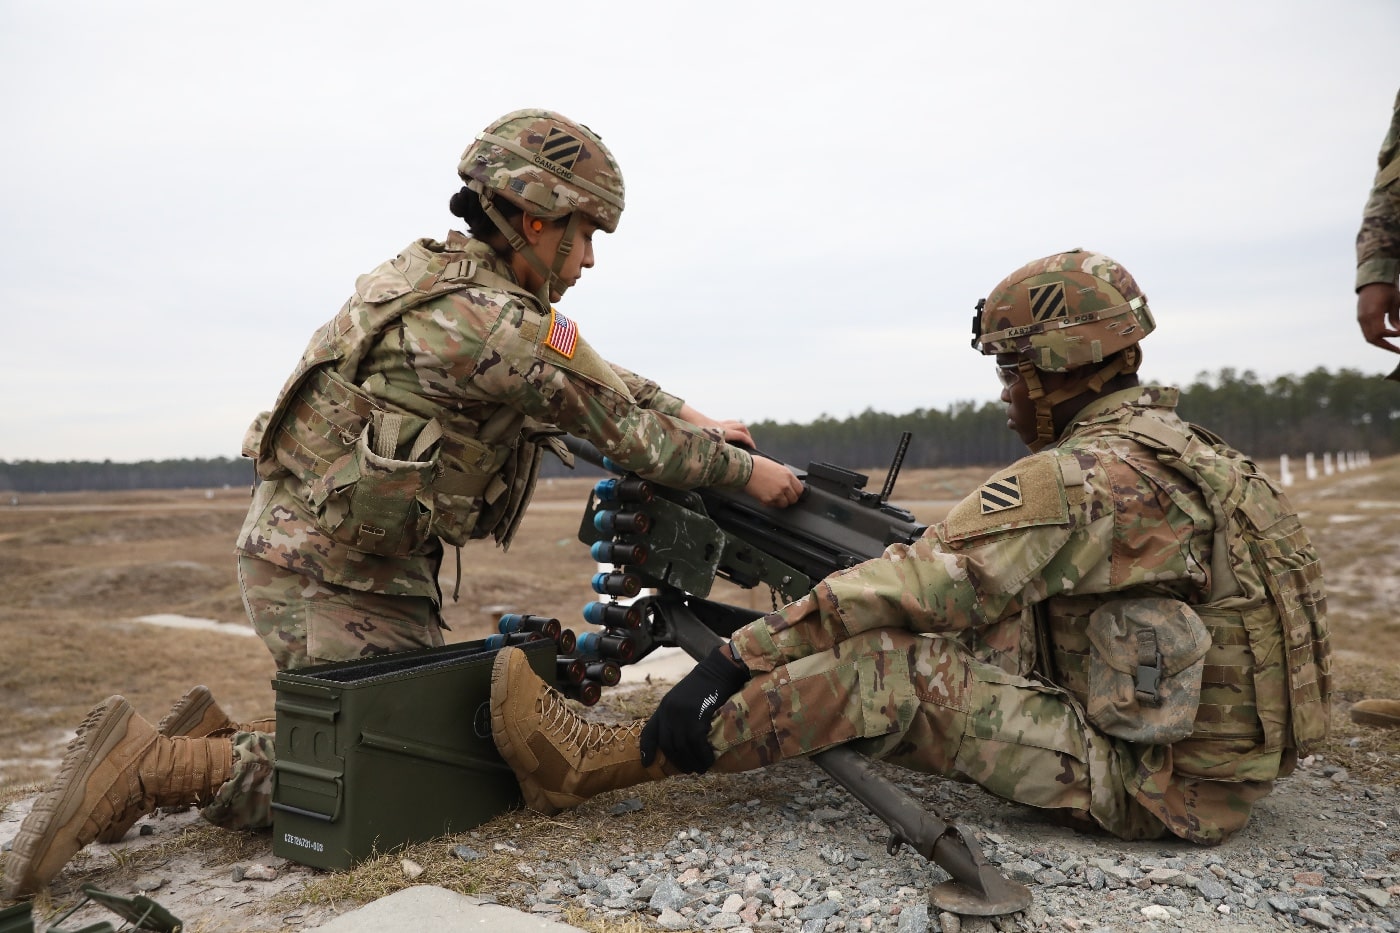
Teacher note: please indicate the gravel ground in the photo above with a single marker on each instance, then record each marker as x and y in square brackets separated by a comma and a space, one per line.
[1318, 853]
[788, 849]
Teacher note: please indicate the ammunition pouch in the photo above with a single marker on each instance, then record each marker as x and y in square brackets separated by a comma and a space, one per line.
[372, 502]
[379, 481]
[1146, 660]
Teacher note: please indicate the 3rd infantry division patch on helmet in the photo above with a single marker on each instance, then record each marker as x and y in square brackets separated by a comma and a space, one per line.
[1062, 312]
[546, 164]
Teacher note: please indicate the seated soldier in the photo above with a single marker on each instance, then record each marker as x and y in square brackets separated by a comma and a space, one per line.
[1127, 627]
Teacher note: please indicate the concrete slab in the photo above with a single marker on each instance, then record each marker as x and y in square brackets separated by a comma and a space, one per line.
[428, 907]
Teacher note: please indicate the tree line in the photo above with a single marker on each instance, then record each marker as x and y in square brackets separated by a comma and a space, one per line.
[1317, 412]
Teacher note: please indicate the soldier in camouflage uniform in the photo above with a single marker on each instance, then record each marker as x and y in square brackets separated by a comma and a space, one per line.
[1378, 310]
[1378, 247]
[419, 414]
[416, 417]
[1126, 628]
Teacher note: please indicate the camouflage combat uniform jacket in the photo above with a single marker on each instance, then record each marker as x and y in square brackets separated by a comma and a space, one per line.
[1131, 504]
[1378, 242]
[426, 400]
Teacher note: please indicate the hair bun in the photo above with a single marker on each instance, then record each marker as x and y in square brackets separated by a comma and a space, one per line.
[460, 202]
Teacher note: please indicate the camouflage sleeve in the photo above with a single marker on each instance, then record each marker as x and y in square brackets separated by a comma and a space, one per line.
[581, 393]
[1378, 242]
[647, 393]
[1055, 523]
[966, 571]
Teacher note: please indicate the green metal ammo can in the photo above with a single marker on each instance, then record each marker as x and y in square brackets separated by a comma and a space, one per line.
[381, 752]
[17, 918]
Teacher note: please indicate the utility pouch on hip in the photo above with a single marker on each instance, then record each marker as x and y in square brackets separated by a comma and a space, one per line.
[1146, 660]
[373, 502]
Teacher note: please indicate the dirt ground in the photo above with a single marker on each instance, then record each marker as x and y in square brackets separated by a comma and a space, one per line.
[78, 573]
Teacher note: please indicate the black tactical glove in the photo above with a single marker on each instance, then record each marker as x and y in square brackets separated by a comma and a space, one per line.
[680, 727]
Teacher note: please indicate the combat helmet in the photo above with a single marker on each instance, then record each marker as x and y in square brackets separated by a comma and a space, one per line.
[1069, 312]
[548, 165]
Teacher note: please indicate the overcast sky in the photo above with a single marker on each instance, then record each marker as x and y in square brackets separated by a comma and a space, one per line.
[817, 192]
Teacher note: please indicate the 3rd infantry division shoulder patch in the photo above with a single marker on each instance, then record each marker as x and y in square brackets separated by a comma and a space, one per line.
[1000, 494]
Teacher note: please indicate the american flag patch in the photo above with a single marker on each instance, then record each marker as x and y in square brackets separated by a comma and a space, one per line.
[563, 335]
[1000, 495]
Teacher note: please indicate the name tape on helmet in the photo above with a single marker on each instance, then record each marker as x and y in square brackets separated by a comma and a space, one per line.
[552, 167]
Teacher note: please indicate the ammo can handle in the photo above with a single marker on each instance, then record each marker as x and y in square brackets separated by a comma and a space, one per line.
[310, 814]
[283, 765]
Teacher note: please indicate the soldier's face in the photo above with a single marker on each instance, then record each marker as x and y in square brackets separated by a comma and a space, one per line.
[580, 256]
[1020, 410]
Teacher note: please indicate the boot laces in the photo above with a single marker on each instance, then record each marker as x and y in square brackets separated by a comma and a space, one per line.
[573, 729]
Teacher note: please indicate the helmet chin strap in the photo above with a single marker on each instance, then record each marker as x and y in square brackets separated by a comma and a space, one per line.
[522, 246]
[1092, 381]
[566, 246]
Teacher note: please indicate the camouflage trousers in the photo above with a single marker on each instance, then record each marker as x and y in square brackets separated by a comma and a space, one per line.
[926, 704]
[244, 801]
[305, 621]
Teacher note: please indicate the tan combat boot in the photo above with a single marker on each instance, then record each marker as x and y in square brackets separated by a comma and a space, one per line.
[1376, 713]
[196, 715]
[117, 765]
[560, 758]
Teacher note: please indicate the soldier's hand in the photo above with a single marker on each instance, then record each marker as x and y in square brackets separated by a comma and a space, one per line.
[680, 727]
[773, 484]
[736, 432]
[1378, 313]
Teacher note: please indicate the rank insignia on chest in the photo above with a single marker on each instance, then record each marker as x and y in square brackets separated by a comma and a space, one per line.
[563, 335]
[1000, 495]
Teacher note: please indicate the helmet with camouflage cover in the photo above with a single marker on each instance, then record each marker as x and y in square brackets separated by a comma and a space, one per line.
[1077, 313]
[546, 164]
[1063, 312]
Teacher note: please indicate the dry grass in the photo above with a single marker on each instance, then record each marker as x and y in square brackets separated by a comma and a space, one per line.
[75, 570]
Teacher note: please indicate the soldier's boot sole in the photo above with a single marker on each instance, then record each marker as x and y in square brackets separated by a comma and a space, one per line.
[115, 765]
[196, 714]
[1384, 713]
[559, 758]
